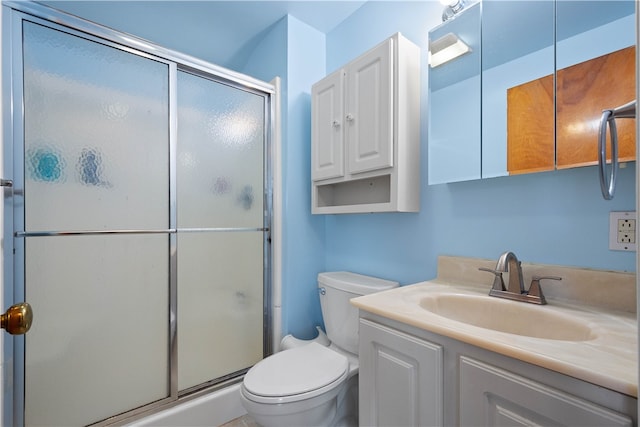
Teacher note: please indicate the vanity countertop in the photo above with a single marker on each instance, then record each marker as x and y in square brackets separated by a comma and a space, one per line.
[609, 360]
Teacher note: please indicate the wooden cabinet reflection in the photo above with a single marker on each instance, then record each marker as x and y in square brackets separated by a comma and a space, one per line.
[530, 141]
[582, 92]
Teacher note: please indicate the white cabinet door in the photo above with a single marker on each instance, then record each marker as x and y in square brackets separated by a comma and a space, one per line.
[401, 379]
[369, 110]
[491, 396]
[365, 133]
[327, 124]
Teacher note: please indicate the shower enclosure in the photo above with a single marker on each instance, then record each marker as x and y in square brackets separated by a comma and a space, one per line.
[138, 223]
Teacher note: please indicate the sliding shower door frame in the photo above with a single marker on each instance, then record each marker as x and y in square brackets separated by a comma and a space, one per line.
[13, 15]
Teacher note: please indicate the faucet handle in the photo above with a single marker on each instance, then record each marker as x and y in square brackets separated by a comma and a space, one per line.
[536, 291]
[498, 282]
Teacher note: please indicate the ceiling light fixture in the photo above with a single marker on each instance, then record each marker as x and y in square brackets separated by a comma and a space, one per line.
[452, 7]
[445, 49]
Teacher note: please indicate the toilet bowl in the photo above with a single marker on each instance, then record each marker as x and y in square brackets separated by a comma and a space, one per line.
[312, 384]
[285, 391]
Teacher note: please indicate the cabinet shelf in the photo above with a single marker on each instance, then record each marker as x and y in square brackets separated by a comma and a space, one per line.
[360, 195]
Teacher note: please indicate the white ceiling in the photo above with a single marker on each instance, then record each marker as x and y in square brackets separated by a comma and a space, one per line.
[216, 31]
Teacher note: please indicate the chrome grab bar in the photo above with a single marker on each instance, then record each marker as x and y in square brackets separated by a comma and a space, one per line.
[608, 119]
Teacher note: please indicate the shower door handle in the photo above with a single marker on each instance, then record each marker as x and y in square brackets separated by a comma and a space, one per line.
[17, 319]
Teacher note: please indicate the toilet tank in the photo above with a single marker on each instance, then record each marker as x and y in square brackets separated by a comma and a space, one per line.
[340, 317]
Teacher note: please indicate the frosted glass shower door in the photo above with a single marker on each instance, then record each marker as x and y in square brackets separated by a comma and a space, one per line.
[96, 201]
[221, 234]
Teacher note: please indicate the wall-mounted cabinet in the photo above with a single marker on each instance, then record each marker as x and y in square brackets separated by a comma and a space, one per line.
[365, 133]
[548, 70]
[454, 105]
[517, 48]
[601, 55]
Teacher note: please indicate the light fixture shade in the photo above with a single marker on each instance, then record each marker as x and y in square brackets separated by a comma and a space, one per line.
[445, 49]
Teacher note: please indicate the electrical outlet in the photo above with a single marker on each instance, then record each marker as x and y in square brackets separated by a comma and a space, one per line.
[626, 237]
[622, 231]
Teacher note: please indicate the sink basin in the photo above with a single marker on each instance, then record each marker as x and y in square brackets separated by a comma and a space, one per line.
[512, 317]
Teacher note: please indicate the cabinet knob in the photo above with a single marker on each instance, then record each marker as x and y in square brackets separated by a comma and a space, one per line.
[350, 117]
[336, 124]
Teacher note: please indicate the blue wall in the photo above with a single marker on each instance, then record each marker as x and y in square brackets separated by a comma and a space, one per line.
[284, 52]
[303, 234]
[554, 217]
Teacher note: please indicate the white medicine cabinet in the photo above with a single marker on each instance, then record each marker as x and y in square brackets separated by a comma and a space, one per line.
[365, 133]
[455, 149]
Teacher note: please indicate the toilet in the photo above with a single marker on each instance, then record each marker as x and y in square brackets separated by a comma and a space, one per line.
[315, 383]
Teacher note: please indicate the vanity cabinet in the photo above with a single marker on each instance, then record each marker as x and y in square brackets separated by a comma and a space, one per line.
[500, 398]
[412, 377]
[402, 380]
[365, 133]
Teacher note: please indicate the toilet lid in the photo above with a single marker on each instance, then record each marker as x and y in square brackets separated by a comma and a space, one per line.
[295, 371]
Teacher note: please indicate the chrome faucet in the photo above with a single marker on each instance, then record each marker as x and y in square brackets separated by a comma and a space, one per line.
[508, 262]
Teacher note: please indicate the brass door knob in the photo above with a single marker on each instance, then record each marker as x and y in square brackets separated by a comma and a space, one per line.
[17, 320]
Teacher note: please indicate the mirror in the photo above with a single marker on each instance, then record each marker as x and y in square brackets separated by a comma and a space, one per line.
[595, 71]
[548, 70]
[517, 48]
[454, 103]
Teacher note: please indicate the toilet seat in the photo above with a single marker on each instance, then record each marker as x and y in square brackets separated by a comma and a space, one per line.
[295, 374]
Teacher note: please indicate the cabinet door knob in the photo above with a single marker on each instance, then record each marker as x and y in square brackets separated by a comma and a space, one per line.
[350, 117]
[336, 124]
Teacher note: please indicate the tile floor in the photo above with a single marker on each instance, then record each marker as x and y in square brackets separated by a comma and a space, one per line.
[244, 421]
